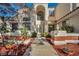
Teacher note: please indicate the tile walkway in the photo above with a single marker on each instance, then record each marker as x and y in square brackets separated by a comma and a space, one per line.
[44, 49]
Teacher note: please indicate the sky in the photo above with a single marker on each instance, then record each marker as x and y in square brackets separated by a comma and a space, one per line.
[10, 9]
[52, 5]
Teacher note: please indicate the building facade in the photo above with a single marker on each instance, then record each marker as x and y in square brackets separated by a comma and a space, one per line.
[67, 13]
[35, 19]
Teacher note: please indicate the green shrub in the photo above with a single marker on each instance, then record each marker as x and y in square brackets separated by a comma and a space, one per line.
[24, 31]
[67, 28]
[45, 34]
[48, 36]
[4, 29]
[34, 34]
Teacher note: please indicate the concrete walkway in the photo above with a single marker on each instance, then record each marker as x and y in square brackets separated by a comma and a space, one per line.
[44, 49]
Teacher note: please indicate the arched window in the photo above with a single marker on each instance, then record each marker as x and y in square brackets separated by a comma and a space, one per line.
[40, 12]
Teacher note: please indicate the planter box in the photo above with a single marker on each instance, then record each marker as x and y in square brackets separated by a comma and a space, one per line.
[65, 38]
[59, 42]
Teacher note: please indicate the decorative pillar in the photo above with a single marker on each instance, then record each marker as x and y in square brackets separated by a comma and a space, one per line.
[57, 27]
[46, 17]
[46, 26]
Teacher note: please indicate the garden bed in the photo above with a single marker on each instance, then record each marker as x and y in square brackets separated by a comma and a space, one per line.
[74, 49]
[14, 45]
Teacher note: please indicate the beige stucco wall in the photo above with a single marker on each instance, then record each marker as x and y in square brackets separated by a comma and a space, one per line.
[51, 18]
[74, 21]
[61, 10]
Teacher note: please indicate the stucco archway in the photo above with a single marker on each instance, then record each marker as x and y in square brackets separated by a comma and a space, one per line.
[40, 12]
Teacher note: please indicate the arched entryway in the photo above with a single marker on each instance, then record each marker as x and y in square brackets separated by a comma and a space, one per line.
[40, 10]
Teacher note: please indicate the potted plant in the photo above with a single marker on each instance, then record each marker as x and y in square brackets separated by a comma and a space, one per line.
[34, 34]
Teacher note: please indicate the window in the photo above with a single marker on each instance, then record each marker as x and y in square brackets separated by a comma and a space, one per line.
[64, 23]
[14, 26]
[51, 13]
[50, 28]
[27, 23]
[73, 6]
[77, 4]
[26, 19]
